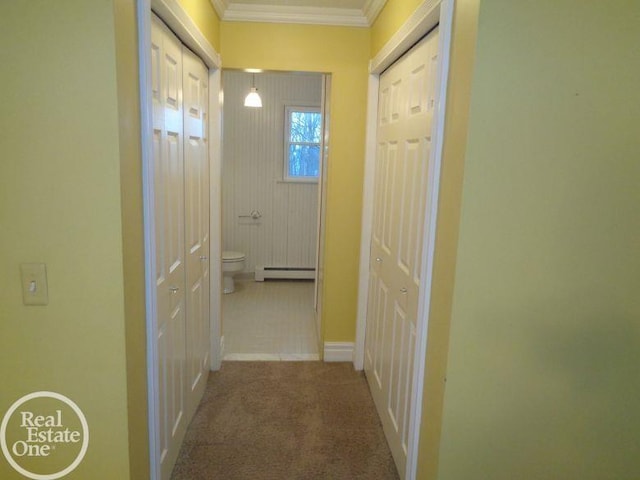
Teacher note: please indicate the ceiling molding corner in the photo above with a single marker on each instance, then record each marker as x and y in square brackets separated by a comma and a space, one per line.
[220, 6]
[372, 9]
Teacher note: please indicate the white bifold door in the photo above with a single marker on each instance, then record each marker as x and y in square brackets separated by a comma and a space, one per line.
[405, 111]
[181, 216]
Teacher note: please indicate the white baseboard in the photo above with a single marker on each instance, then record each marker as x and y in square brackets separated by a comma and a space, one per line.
[272, 357]
[338, 351]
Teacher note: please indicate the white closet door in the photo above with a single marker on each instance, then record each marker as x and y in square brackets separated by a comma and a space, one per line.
[406, 106]
[166, 56]
[196, 162]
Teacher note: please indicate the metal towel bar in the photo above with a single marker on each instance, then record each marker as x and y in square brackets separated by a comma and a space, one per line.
[255, 214]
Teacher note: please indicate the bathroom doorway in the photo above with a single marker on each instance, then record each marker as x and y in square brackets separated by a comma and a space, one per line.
[273, 182]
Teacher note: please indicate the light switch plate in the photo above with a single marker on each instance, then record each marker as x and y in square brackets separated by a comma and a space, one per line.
[34, 284]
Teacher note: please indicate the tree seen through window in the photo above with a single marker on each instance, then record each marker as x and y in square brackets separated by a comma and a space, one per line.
[304, 136]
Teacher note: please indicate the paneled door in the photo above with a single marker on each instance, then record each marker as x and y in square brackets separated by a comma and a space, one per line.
[196, 168]
[181, 214]
[168, 154]
[405, 112]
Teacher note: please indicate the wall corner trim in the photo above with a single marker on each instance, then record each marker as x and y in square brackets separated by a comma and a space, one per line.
[338, 351]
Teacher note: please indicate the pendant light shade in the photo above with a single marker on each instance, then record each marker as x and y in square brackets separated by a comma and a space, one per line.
[253, 99]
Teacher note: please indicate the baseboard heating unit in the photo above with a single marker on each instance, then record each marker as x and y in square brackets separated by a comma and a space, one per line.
[290, 273]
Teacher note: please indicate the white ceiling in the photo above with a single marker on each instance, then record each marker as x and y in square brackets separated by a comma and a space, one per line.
[355, 13]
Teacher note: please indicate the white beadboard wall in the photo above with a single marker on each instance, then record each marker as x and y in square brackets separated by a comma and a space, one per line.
[252, 170]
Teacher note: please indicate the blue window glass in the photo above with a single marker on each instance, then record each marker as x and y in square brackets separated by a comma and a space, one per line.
[304, 134]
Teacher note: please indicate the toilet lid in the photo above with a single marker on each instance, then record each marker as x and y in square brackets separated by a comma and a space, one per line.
[231, 255]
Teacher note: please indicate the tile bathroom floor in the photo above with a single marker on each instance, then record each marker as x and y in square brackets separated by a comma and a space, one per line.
[271, 320]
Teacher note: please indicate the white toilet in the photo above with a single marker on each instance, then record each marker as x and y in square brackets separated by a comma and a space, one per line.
[232, 263]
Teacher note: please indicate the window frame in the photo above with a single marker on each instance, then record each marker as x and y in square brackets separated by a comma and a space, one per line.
[287, 143]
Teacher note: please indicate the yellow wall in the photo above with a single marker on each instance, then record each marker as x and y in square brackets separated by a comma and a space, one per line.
[60, 203]
[545, 334]
[132, 235]
[206, 18]
[343, 52]
[457, 117]
[390, 19]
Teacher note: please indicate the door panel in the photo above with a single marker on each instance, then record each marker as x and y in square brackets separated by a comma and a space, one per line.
[169, 220]
[196, 225]
[406, 103]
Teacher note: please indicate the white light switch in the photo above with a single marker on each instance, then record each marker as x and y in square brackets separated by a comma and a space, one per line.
[34, 284]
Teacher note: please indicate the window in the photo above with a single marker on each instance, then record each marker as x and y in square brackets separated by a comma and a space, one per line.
[303, 133]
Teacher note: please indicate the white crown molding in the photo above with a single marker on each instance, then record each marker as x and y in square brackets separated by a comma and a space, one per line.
[220, 6]
[292, 14]
[229, 11]
[372, 9]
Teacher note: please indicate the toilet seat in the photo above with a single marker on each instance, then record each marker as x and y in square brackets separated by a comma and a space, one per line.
[229, 256]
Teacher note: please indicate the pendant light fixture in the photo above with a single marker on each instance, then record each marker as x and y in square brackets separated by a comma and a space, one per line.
[253, 99]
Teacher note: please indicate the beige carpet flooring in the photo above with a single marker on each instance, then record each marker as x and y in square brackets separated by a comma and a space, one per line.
[285, 420]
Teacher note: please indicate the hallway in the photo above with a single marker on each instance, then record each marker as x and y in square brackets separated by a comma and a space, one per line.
[285, 420]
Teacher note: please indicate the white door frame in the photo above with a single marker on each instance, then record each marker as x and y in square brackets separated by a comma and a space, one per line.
[428, 14]
[174, 15]
[322, 205]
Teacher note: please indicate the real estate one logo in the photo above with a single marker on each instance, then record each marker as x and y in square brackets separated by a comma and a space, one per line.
[44, 435]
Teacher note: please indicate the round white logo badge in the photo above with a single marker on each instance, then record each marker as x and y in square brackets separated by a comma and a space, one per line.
[44, 435]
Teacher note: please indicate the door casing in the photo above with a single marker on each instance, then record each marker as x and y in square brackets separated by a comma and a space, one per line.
[430, 13]
[172, 13]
